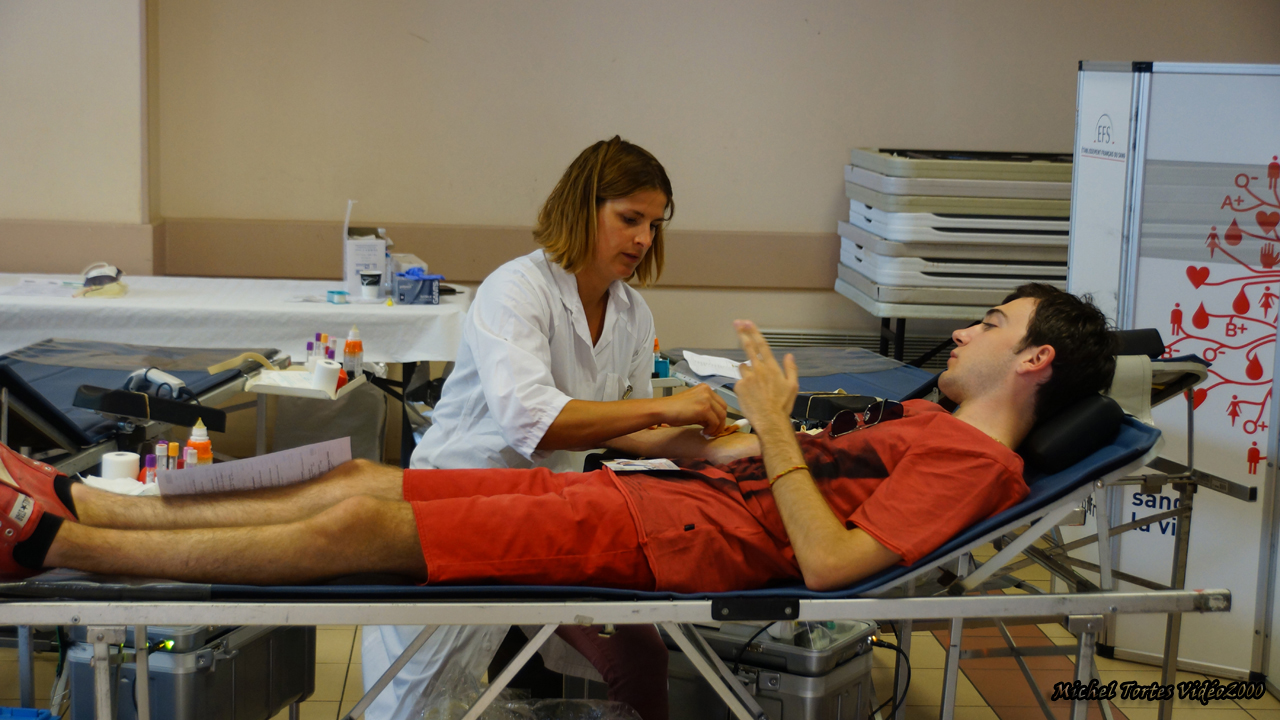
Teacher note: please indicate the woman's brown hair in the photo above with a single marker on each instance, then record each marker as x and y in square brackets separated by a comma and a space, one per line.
[608, 170]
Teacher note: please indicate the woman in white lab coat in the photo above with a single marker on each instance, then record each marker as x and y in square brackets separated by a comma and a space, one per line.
[557, 355]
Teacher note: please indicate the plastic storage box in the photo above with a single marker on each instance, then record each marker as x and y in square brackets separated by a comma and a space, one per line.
[212, 673]
[790, 682]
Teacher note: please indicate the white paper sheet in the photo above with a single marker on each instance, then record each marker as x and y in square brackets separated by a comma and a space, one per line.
[640, 465]
[274, 470]
[713, 365]
[40, 287]
[120, 486]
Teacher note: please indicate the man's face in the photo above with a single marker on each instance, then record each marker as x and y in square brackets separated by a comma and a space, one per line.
[988, 353]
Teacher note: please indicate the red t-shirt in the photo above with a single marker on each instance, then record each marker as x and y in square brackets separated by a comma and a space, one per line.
[912, 484]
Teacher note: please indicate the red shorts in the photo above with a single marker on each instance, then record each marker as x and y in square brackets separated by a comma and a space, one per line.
[526, 527]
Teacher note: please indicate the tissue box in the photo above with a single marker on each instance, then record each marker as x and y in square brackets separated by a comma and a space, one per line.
[417, 289]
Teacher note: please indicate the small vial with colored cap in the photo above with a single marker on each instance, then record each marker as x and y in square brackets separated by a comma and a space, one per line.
[151, 469]
[661, 365]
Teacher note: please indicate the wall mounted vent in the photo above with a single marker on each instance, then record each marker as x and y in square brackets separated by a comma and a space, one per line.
[913, 346]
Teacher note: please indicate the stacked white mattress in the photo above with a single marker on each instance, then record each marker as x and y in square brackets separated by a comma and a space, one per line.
[946, 234]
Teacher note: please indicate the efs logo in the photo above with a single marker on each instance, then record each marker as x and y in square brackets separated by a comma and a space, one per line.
[1102, 133]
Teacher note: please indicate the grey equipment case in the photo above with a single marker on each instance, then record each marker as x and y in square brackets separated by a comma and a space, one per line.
[789, 681]
[210, 673]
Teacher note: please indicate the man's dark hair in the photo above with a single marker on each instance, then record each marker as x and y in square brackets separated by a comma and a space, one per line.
[1084, 358]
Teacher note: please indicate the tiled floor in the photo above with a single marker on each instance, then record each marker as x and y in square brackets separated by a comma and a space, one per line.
[988, 689]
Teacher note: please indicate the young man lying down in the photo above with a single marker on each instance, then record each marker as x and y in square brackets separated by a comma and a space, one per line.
[756, 510]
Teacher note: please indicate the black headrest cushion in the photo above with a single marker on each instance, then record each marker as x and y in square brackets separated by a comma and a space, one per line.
[1139, 342]
[1074, 434]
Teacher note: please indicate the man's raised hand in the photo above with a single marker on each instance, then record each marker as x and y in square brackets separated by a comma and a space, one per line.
[767, 391]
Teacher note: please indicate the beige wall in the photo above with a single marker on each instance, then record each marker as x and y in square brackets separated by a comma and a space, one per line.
[461, 113]
[466, 113]
[71, 98]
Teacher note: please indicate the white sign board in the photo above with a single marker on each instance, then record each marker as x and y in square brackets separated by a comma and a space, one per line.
[1208, 277]
[1098, 188]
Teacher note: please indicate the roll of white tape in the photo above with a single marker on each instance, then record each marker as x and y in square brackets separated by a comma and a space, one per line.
[325, 376]
[120, 465]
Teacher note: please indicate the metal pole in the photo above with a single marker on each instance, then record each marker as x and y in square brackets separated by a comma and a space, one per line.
[407, 445]
[26, 668]
[899, 665]
[4, 416]
[737, 705]
[499, 683]
[1026, 670]
[1106, 554]
[952, 674]
[389, 674]
[1087, 626]
[142, 672]
[1191, 430]
[261, 445]
[104, 706]
[1173, 624]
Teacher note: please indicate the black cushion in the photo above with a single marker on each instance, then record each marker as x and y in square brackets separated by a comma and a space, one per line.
[1146, 341]
[1075, 433]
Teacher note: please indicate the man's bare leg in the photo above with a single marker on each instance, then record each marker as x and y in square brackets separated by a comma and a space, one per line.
[357, 535]
[269, 506]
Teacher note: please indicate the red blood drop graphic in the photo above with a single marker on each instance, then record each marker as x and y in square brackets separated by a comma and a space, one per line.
[1233, 236]
[1198, 397]
[1241, 303]
[1201, 318]
[1254, 369]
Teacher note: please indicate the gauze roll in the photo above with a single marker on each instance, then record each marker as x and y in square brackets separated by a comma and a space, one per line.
[120, 465]
[325, 376]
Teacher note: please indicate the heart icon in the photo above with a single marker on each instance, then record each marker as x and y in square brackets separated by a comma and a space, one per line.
[1197, 275]
[1198, 397]
[1267, 220]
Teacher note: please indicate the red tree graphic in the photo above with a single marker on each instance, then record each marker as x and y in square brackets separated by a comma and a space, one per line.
[1225, 335]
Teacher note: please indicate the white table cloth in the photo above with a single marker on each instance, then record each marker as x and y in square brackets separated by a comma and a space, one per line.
[232, 312]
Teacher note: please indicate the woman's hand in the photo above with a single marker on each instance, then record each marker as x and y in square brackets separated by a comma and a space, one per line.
[699, 405]
[584, 424]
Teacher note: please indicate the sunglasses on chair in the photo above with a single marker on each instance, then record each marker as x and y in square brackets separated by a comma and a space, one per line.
[846, 421]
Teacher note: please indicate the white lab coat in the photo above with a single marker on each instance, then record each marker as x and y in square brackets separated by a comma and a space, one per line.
[526, 351]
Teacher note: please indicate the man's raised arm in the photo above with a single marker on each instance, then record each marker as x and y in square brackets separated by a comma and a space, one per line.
[830, 556]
